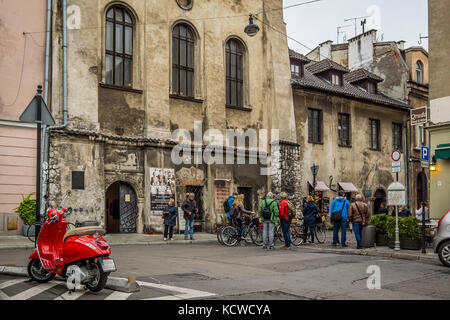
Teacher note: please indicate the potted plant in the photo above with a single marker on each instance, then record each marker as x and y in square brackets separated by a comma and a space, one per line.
[27, 212]
[379, 222]
[410, 234]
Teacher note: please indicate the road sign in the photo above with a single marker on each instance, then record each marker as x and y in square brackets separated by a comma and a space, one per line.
[425, 157]
[396, 166]
[396, 155]
[31, 112]
[418, 116]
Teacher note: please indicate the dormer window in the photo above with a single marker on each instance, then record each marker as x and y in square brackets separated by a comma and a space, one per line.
[296, 69]
[336, 78]
[371, 87]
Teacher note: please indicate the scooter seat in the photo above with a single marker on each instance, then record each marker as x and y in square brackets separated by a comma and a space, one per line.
[84, 231]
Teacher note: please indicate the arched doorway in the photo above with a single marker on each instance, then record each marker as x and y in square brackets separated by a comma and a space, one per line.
[421, 187]
[121, 208]
[380, 197]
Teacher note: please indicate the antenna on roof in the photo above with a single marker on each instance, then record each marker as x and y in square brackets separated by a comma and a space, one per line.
[421, 37]
[339, 32]
[355, 19]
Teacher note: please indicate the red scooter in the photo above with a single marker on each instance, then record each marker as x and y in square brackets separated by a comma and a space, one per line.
[60, 253]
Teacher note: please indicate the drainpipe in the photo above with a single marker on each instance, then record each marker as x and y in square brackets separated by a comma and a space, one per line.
[407, 146]
[64, 68]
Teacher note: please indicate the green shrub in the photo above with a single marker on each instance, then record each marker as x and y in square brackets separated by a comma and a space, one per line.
[408, 227]
[27, 210]
[379, 222]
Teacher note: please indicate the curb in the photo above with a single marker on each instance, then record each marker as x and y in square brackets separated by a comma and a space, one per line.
[146, 243]
[117, 284]
[374, 253]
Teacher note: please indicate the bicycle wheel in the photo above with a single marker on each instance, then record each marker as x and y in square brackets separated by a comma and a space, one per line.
[230, 236]
[296, 234]
[321, 233]
[256, 234]
[219, 234]
[278, 234]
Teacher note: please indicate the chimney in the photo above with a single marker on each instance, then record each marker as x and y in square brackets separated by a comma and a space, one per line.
[360, 50]
[325, 50]
[401, 44]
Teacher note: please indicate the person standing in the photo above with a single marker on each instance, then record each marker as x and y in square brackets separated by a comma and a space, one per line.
[382, 209]
[285, 220]
[338, 215]
[238, 212]
[170, 219]
[310, 211]
[404, 212]
[268, 211]
[359, 216]
[419, 212]
[190, 209]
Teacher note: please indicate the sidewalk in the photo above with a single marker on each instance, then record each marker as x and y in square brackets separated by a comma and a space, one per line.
[117, 239]
[386, 252]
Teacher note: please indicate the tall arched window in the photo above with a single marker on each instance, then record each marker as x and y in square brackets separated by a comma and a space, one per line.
[119, 47]
[183, 60]
[419, 71]
[234, 73]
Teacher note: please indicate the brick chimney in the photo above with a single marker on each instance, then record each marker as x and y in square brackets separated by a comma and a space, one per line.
[360, 50]
[325, 50]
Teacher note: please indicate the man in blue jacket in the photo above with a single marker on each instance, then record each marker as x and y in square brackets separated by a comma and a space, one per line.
[339, 204]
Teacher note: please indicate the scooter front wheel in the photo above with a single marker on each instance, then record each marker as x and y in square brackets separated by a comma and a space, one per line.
[99, 277]
[37, 272]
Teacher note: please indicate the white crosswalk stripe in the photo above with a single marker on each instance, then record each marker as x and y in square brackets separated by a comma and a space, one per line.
[173, 292]
[117, 295]
[27, 294]
[71, 295]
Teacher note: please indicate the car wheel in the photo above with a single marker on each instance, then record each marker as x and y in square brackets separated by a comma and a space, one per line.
[444, 253]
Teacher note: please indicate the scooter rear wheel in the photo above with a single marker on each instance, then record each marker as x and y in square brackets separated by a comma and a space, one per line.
[37, 272]
[100, 278]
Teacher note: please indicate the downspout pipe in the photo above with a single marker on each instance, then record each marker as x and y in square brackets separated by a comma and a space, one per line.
[64, 70]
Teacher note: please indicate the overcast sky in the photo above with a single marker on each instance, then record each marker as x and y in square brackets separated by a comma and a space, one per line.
[395, 20]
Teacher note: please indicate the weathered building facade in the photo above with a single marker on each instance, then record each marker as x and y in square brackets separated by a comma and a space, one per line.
[348, 128]
[405, 74]
[22, 53]
[140, 70]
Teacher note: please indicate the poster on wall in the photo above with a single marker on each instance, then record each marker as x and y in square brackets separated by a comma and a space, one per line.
[162, 188]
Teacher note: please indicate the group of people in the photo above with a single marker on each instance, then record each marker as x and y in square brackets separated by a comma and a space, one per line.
[190, 210]
[271, 211]
[405, 212]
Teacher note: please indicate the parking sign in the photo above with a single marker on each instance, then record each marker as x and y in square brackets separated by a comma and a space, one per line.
[425, 156]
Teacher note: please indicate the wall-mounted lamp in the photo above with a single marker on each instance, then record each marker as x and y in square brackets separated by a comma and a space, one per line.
[433, 166]
[251, 29]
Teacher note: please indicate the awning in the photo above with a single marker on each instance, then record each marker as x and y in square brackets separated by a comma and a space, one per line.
[320, 186]
[348, 187]
[442, 151]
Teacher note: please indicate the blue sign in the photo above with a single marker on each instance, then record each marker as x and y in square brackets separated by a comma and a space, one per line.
[425, 154]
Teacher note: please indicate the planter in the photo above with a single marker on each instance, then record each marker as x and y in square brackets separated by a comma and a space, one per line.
[30, 233]
[381, 240]
[391, 242]
[410, 244]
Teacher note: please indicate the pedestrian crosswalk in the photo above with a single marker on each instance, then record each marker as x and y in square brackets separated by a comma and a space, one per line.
[12, 288]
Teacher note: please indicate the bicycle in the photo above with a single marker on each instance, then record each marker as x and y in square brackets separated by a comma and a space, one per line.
[251, 232]
[320, 233]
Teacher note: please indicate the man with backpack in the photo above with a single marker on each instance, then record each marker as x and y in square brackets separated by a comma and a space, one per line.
[287, 212]
[338, 216]
[268, 211]
[228, 203]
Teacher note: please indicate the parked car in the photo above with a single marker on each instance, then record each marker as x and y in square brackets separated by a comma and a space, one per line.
[441, 242]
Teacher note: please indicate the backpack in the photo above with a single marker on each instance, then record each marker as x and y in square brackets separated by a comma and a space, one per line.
[234, 212]
[266, 212]
[337, 215]
[226, 205]
[291, 210]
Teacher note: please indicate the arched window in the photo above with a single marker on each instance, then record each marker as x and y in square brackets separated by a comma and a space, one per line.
[183, 60]
[419, 71]
[119, 47]
[234, 73]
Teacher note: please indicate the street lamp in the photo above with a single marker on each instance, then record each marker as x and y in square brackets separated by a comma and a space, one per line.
[251, 29]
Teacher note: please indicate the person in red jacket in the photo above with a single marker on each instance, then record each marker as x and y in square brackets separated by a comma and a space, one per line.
[285, 220]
